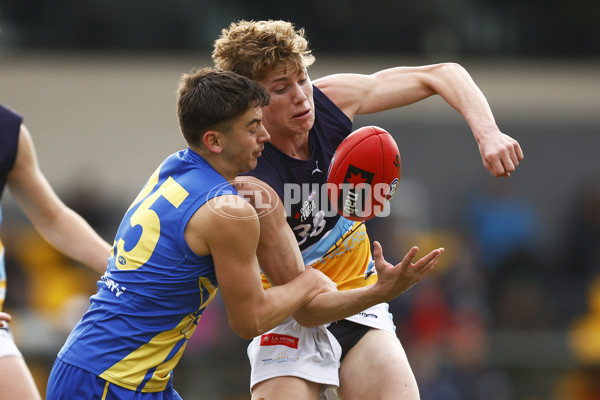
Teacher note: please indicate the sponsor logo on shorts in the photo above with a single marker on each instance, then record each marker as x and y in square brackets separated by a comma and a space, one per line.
[281, 358]
[366, 315]
[274, 339]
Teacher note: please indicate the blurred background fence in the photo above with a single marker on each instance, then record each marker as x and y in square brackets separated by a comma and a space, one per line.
[513, 310]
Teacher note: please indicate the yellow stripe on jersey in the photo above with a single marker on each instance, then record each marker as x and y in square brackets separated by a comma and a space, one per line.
[131, 370]
[347, 261]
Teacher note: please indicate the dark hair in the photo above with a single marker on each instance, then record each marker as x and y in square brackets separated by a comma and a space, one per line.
[211, 99]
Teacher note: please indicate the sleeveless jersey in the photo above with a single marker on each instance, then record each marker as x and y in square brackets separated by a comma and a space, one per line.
[155, 289]
[10, 125]
[335, 245]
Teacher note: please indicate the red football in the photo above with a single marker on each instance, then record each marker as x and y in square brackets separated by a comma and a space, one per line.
[364, 173]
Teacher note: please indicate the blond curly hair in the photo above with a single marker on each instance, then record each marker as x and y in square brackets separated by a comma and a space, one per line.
[255, 48]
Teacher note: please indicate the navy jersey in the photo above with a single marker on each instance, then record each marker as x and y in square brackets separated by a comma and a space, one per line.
[333, 244]
[10, 125]
[300, 183]
[152, 296]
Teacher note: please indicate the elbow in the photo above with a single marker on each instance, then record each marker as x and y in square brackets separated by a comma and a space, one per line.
[305, 320]
[451, 69]
[246, 329]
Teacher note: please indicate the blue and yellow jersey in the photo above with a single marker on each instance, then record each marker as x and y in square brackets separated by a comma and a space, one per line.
[152, 296]
[338, 247]
[10, 125]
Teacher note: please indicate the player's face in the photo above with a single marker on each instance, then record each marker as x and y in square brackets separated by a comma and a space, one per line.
[245, 142]
[292, 108]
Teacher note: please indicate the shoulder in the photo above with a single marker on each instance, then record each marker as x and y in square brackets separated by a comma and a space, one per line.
[222, 213]
[346, 90]
[221, 220]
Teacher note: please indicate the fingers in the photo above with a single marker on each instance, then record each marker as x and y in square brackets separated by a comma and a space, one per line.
[425, 265]
[377, 250]
[429, 259]
[501, 156]
[4, 318]
[407, 260]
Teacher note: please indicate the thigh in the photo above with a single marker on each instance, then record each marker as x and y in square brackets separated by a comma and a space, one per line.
[16, 380]
[293, 351]
[286, 387]
[376, 368]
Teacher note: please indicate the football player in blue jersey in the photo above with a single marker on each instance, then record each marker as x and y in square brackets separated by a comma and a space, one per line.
[64, 229]
[307, 121]
[186, 235]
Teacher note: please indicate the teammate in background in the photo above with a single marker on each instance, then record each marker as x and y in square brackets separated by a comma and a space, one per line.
[306, 122]
[59, 225]
[186, 233]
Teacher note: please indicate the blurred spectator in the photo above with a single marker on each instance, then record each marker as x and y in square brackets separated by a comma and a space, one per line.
[501, 223]
[579, 258]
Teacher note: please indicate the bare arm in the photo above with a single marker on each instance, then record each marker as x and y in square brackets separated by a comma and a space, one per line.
[64, 229]
[280, 259]
[396, 87]
[230, 235]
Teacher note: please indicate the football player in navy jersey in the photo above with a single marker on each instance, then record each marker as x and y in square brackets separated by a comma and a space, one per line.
[307, 121]
[186, 235]
[64, 229]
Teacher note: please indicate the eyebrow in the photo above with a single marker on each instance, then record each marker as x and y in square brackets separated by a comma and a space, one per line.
[283, 78]
[254, 121]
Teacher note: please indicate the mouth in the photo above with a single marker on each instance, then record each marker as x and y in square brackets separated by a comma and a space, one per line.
[302, 115]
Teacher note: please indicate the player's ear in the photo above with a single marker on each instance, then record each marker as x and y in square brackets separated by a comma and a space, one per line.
[213, 141]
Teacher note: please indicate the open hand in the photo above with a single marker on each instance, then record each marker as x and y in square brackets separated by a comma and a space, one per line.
[396, 279]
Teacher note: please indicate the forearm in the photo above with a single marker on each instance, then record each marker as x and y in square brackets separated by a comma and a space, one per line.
[454, 84]
[251, 318]
[334, 306]
[69, 233]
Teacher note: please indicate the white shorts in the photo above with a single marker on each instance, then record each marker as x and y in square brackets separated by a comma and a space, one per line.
[308, 353]
[7, 344]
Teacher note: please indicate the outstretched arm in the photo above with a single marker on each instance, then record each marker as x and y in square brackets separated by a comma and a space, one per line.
[280, 260]
[392, 281]
[396, 87]
[64, 229]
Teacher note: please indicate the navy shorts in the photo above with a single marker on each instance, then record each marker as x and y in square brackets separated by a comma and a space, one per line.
[347, 333]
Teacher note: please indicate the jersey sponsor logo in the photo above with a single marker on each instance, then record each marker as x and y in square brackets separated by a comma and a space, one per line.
[314, 171]
[307, 207]
[274, 339]
[350, 244]
[281, 358]
[113, 286]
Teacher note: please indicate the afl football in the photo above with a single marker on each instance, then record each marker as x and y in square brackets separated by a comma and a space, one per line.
[364, 173]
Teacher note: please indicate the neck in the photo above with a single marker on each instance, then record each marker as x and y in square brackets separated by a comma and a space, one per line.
[295, 146]
[218, 164]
